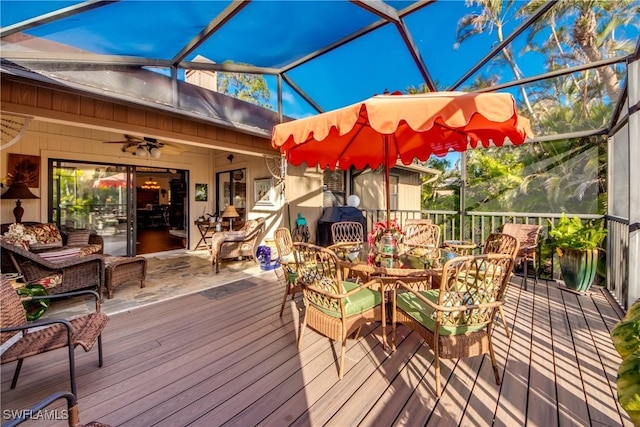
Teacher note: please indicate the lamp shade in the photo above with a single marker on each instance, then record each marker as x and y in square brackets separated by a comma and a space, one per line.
[230, 212]
[18, 190]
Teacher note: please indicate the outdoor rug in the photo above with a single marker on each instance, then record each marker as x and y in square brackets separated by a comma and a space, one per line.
[228, 289]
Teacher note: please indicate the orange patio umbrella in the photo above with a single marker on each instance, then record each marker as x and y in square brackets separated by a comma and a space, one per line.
[385, 128]
[118, 180]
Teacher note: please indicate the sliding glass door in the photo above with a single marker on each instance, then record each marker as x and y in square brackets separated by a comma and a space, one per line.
[94, 197]
[136, 209]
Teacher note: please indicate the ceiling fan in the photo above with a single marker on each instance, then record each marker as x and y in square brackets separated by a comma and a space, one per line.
[141, 146]
[277, 167]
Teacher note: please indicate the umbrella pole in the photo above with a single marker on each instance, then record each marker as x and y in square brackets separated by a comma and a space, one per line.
[386, 179]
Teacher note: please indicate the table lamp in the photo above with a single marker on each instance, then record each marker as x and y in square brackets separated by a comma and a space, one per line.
[230, 212]
[18, 191]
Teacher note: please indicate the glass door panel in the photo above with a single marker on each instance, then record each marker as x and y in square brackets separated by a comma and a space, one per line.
[93, 197]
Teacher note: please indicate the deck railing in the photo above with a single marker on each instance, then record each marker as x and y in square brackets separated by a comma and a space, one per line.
[476, 227]
[618, 256]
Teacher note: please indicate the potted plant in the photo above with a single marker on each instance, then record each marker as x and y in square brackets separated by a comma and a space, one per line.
[577, 246]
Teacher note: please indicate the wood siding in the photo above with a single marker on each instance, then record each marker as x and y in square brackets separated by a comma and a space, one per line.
[52, 104]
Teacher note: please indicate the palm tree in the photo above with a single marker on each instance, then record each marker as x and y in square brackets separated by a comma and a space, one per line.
[583, 32]
[491, 17]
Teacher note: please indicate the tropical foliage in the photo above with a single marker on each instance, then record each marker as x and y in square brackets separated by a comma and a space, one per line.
[573, 234]
[248, 87]
[549, 176]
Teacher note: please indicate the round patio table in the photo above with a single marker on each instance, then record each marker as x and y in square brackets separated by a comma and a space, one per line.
[462, 247]
[416, 267]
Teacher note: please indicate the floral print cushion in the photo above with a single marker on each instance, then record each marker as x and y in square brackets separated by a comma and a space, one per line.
[50, 281]
[47, 236]
[90, 249]
[24, 244]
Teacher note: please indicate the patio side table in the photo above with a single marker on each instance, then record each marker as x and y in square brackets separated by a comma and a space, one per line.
[461, 247]
[119, 270]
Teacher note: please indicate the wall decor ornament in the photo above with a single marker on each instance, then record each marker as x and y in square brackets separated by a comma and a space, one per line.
[24, 168]
[202, 193]
[263, 191]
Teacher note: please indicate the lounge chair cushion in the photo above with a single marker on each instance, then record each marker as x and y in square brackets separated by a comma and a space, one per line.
[95, 248]
[50, 281]
[78, 238]
[61, 254]
[47, 235]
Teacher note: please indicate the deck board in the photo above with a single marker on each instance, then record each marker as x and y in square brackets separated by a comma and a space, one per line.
[542, 389]
[233, 361]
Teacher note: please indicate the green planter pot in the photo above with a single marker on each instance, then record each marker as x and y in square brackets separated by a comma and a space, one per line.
[578, 268]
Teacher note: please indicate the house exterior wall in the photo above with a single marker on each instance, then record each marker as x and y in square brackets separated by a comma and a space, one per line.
[72, 126]
[369, 187]
[50, 140]
[304, 196]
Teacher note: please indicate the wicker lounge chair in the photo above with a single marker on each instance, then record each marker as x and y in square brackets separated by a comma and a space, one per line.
[333, 307]
[82, 331]
[70, 274]
[234, 244]
[456, 320]
[527, 235]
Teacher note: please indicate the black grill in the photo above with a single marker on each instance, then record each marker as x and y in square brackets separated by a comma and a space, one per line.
[335, 214]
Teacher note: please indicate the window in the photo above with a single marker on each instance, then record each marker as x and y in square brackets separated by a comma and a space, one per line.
[334, 188]
[393, 192]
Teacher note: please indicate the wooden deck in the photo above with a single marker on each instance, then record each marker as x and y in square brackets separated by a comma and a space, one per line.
[200, 361]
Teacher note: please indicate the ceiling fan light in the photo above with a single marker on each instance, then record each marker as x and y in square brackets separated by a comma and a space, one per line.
[155, 152]
[141, 152]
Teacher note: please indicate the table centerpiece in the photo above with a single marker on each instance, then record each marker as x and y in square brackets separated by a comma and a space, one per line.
[384, 242]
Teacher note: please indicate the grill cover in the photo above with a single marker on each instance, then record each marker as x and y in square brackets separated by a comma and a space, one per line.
[335, 214]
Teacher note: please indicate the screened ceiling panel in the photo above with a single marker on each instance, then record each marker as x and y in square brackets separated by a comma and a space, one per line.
[364, 70]
[444, 58]
[274, 34]
[130, 28]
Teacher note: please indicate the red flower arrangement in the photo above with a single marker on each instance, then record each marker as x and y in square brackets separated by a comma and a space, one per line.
[380, 227]
[375, 236]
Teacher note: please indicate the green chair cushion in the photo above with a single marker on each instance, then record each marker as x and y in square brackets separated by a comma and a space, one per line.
[425, 315]
[361, 301]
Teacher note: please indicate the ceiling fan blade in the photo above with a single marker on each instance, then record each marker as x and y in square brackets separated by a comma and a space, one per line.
[171, 149]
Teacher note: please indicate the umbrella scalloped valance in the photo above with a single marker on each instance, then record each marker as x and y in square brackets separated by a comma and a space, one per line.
[417, 126]
[385, 128]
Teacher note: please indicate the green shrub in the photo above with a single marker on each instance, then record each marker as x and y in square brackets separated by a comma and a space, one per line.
[572, 233]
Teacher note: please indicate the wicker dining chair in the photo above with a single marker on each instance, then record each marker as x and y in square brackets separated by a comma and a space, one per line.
[421, 235]
[456, 320]
[500, 243]
[82, 331]
[286, 272]
[334, 307]
[347, 231]
[418, 221]
[528, 236]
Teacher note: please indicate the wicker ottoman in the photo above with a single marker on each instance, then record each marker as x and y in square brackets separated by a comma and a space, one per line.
[119, 270]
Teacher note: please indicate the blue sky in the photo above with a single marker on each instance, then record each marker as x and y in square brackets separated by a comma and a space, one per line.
[274, 33]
